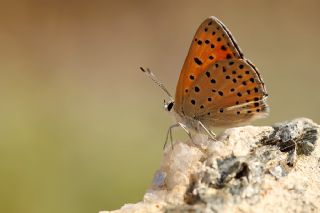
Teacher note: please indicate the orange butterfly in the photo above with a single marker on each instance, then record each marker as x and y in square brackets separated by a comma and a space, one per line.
[217, 86]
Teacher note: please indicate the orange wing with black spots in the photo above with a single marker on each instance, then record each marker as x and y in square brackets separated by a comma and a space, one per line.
[211, 43]
[229, 93]
[217, 85]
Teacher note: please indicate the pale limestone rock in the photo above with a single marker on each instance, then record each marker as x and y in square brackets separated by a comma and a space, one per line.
[248, 169]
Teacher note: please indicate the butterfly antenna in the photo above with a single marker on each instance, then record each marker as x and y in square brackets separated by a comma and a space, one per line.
[150, 74]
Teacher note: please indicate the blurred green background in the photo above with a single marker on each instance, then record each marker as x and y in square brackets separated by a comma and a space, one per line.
[82, 128]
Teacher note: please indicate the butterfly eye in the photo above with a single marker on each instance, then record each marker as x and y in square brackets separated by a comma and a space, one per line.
[169, 106]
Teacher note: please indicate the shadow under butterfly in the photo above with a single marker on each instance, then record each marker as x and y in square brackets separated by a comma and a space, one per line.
[217, 87]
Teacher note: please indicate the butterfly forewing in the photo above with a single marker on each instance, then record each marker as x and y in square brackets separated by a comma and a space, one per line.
[211, 43]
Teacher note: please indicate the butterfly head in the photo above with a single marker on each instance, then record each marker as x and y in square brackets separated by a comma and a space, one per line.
[168, 105]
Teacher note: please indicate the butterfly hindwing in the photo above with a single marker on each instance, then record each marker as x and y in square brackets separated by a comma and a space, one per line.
[229, 92]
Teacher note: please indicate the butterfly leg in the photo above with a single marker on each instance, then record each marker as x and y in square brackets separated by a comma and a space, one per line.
[212, 133]
[169, 134]
[187, 131]
[209, 132]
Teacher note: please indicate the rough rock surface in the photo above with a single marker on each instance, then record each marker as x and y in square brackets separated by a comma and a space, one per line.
[248, 169]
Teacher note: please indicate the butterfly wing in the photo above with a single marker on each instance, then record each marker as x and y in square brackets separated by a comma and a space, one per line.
[229, 92]
[211, 43]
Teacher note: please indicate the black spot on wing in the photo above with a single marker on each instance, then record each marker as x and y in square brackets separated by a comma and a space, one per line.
[198, 61]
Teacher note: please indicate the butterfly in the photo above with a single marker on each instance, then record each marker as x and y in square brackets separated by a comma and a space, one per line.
[217, 87]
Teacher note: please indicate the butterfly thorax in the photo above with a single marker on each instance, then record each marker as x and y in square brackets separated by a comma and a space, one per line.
[191, 123]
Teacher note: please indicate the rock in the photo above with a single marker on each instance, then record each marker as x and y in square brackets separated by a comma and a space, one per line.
[248, 169]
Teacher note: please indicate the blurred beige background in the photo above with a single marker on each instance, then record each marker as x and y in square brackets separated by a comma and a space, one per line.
[82, 128]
